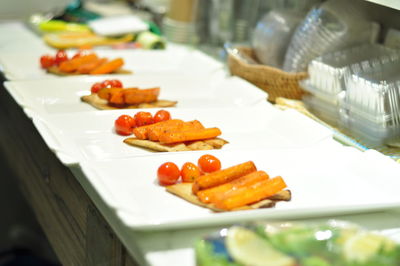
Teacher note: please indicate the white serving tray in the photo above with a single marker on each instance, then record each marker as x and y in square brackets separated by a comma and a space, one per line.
[16, 37]
[324, 180]
[54, 96]
[90, 135]
[175, 59]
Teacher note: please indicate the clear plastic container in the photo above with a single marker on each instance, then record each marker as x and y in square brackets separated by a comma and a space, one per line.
[272, 35]
[373, 90]
[320, 93]
[324, 105]
[327, 72]
[333, 26]
[325, 110]
[371, 132]
[371, 107]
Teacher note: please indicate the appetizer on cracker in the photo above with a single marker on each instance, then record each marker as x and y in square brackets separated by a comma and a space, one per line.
[83, 62]
[238, 187]
[110, 94]
[161, 133]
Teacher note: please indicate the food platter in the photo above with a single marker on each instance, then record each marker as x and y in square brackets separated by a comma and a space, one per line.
[91, 135]
[56, 96]
[343, 180]
[175, 59]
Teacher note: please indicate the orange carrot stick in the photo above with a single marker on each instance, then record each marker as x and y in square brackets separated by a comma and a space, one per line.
[73, 64]
[86, 68]
[211, 194]
[189, 135]
[155, 132]
[250, 194]
[106, 93]
[223, 176]
[142, 132]
[108, 67]
[117, 98]
[141, 96]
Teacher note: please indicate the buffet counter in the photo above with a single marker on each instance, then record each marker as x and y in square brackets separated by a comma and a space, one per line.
[81, 227]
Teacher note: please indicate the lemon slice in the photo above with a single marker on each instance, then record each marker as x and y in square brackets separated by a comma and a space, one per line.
[248, 248]
[361, 247]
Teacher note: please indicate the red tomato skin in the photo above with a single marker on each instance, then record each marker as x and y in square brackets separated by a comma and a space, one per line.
[143, 118]
[124, 125]
[106, 84]
[168, 174]
[47, 61]
[115, 83]
[209, 163]
[61, 56]
[190, 172]
[96, 87]
[162, 115]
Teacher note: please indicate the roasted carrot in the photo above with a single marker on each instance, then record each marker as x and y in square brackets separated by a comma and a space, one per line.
[195, 124]
[190, 135]
[141, 96]
[108, 67]
[117, 98]
[106, 93]
[223, 176]
[211, 194]
[155, 132]
[86, 68]
[250, 194]
[142, 132]
[73, 64]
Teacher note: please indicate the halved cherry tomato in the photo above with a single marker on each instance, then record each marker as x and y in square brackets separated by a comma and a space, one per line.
[143, 118]
[209, 163]
[162, 115]
[61, 56]
[115, 83]
[47, 61]
[190, 172]
[168, 174]
[124, 125]
[96, 87]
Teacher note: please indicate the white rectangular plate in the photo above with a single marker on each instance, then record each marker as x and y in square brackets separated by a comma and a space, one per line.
[53, 96]
[175, 59]
[91, 134]
[324, 180]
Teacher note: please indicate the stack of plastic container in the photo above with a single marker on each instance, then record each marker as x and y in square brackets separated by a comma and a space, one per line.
[333, 26]
[326, 84]
[370, 109]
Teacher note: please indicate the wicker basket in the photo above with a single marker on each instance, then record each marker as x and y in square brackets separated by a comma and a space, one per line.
[275, 82]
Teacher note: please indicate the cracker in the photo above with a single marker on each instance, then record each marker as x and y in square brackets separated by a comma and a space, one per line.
[101, 104]
[184, 191]
[190, 146]
[56, 71]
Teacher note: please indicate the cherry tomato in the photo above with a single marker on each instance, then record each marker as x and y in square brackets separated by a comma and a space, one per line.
[162, 115]
[168, 174]
[190, 172]
[106, 83]
[96, 87]
[143, 118]
[61, 56]
[124, 125]
[115, 83]
[47, 61]
[209, 163]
